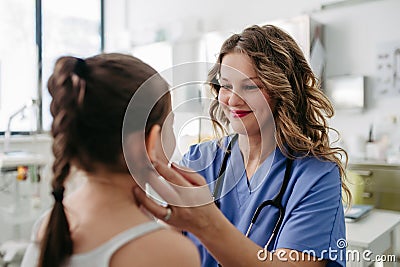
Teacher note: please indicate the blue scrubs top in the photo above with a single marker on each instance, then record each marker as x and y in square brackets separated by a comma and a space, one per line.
[314, 218]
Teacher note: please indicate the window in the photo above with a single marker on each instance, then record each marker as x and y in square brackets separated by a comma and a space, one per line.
[18, 63]
[70, 27]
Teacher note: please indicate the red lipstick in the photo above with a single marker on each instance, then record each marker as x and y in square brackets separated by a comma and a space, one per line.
[240, 113]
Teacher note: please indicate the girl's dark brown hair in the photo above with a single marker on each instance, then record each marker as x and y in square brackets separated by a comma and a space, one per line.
[89, 100]
[301, 107]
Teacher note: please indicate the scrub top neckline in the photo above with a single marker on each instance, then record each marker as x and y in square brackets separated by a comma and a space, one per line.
[264, 167]
[245, 187]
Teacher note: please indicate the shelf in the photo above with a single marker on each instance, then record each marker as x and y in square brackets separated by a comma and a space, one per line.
[27, 138]
[18, 158]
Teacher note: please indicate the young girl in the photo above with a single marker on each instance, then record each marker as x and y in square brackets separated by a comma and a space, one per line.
[100, 223]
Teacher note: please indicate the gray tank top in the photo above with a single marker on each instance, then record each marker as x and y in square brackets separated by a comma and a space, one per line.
[100, 256]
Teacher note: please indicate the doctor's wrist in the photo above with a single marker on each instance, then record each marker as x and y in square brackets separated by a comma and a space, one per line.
[211, 226]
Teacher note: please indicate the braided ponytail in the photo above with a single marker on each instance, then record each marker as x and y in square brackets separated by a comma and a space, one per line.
[66, 86]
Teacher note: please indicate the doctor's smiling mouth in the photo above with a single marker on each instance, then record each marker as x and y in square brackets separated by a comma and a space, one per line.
[240, 113]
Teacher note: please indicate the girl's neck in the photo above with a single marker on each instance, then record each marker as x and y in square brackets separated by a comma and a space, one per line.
[111, 186]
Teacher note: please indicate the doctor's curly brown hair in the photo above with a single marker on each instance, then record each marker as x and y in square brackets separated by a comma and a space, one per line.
[301, 109]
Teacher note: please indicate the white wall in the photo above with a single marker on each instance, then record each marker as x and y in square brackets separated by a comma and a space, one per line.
[136, 19]
[352, 35]
[215, 15]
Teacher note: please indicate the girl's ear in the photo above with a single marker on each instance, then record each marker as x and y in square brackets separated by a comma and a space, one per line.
[153, 141]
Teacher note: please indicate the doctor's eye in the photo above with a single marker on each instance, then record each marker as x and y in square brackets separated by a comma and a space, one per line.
[250, 87]
[226, 86]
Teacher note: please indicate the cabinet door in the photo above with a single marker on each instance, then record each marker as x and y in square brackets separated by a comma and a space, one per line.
[381, 186]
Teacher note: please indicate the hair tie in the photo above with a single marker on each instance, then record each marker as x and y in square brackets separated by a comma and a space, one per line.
[80, 68]
[58, 194]
[79, 81]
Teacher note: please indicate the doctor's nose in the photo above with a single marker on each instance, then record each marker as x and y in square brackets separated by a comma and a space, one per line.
[235, 99]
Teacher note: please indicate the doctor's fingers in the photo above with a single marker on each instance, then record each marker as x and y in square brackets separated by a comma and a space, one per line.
[164, 189]
[185, 218]
[190, 175]
[170, 174]
[150, 205]
[190, 188]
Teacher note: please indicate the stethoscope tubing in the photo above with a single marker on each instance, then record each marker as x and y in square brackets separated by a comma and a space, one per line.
[275, 202]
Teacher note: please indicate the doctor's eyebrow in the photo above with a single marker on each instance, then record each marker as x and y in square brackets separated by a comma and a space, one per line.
[243, 80]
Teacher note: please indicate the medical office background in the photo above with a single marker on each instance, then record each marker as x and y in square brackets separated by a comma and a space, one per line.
[353, 45]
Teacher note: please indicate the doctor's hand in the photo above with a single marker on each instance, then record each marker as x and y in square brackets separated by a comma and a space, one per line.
[192, 208]
[190, 204]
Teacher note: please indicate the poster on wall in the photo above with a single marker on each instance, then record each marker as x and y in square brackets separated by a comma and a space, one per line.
[388, 69]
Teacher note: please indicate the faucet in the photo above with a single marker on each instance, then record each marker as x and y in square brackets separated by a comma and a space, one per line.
[7, 134]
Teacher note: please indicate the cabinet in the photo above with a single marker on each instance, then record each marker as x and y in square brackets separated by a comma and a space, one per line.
[373, 237]
[376, 184]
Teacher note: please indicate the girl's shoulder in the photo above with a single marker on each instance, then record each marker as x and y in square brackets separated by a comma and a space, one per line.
[160, 248]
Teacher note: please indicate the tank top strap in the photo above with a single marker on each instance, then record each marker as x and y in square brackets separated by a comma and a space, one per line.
[128, 235]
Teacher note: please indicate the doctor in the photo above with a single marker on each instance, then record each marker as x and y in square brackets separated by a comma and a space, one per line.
[276, 181]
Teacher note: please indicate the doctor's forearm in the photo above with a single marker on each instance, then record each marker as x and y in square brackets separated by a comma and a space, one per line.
[228, 245]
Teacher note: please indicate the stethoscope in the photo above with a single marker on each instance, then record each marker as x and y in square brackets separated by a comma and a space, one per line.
[275, 202]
